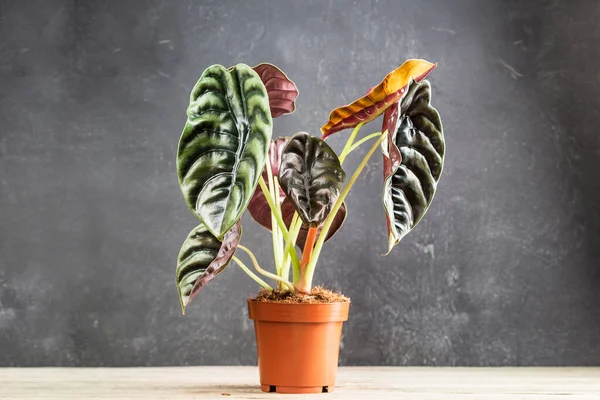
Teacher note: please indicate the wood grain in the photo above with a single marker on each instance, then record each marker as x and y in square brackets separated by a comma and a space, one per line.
[353, 383]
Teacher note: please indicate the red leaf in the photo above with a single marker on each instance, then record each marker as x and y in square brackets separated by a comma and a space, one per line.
[281, 90]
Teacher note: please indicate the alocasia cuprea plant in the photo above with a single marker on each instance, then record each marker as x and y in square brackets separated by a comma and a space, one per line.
[295, 186]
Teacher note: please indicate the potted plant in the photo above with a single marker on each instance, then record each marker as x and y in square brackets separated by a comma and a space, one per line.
[228, 162]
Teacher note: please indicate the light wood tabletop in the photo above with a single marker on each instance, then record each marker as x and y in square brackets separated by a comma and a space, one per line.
[360, 383]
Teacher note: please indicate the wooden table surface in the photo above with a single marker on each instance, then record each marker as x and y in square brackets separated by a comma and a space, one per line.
[361, 383]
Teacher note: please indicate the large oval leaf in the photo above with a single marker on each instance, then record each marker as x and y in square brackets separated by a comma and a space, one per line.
[201, 258]
[413, 159]
[311, 176]
[261, 212]
[223, 147]
[378, 99]
[281, 89]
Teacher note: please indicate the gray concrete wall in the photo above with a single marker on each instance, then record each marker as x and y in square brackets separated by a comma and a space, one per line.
[503, 270]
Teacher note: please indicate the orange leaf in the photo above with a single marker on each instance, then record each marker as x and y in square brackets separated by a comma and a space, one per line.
[378, 99]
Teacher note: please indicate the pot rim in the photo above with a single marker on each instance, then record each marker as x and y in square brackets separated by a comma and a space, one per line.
[298, 312]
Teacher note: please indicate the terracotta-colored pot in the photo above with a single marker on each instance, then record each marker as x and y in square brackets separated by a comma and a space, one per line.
[298, 345]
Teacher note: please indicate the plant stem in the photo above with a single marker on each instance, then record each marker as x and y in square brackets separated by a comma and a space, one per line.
[274, 194]
[266, 273]
[308, 246]
[303, 284]
[279, 238]
[279, 219]
[289, 246]
[361, 141]
[276, 244]
[292, 250]
[274, 209]
[251, 274]
[347, 147]
[276, 249]
[310, 269]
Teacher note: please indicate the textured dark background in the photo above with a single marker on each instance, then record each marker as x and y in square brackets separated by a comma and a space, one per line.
[503, 270]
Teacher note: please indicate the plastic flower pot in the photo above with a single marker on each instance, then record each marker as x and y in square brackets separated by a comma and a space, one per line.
[298, 345]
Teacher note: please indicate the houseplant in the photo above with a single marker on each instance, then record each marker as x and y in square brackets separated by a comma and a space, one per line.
[295, 187]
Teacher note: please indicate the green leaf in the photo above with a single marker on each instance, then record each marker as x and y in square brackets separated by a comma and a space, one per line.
[311, 176]
[201, 258]
[223, 147]
[261, 212]
[413, 155]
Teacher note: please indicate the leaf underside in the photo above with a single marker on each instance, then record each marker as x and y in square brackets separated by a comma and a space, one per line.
[378, 99]
[282, 90]
[223, 147]
[201, 258]
[413, 159]
[311, 176]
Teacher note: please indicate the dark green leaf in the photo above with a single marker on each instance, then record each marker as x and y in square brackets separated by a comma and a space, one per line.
[413, 157]
[261, 212]
[223, 148]
[201, 258]
[311, 176]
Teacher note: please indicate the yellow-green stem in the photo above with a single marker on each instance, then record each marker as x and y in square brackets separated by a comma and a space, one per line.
[361, 141]
[279, 219]
[274, 194]
[279, 240]
[252, 274]
[274, 209]
[346, 150]
[310, 270]
[289, 246]
[266, 273]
